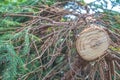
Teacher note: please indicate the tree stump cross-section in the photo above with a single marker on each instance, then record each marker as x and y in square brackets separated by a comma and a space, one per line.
[92, 43]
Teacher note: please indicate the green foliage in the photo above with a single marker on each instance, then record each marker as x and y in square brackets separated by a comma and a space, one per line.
[113, 18]
[8, 22]
[11, 60]
[26, 44]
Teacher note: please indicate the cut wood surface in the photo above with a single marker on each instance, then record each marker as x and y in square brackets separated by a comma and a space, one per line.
[92, 42]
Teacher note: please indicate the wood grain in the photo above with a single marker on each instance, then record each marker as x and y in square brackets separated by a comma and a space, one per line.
[92, 42]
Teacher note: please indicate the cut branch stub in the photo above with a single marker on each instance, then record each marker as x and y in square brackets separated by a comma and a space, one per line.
[92, 43]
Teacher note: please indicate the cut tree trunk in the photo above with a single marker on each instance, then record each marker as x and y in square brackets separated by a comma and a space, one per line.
[92, 43]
